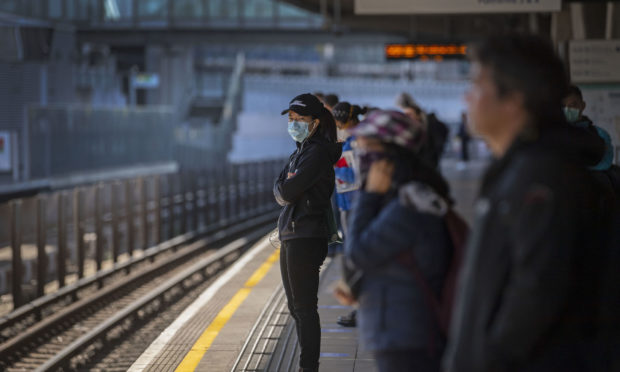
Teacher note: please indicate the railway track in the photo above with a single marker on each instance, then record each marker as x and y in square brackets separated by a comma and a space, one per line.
[66, 331]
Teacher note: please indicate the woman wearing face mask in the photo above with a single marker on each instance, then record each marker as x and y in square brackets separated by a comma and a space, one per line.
[304, 189]
[399, 213]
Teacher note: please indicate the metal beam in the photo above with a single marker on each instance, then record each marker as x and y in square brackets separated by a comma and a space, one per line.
[122, 37]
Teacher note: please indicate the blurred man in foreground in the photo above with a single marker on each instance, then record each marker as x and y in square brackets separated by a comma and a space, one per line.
[530, 296]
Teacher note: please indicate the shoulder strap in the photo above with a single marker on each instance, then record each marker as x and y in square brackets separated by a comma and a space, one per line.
[431, 300]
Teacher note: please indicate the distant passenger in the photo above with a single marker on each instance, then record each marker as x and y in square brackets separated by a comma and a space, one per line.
[399, 215]
[347, 175]
[304, 189]
[465, 137]
[320, 96]
[604, 171]
[607, 176]
[537, 259]
[331, 100]
[573, 110]
[437, 131]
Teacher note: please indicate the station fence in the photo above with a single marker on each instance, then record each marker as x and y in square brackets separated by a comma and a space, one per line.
[78, 232]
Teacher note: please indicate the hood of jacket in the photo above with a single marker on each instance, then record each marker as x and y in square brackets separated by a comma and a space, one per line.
[422, 198]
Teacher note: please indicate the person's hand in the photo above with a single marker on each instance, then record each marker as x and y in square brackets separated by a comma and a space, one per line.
[289, 175]
[380, 176]
[343, 295]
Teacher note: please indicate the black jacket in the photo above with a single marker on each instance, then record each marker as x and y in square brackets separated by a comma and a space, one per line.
[305, 197]
[527, 299]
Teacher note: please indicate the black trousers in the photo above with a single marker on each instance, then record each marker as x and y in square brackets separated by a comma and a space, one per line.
[406, 360]
[300, 260]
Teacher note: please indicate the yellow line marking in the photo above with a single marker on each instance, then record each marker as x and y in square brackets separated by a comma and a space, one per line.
[193, 357]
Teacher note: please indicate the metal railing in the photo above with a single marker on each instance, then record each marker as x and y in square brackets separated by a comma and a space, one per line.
[90, 228]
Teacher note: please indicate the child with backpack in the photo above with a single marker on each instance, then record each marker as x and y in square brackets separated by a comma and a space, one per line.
[400, 237]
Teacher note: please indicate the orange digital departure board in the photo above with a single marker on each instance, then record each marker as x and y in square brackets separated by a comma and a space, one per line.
[435, 52]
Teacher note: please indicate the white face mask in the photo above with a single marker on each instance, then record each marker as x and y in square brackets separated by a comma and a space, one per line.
[572, 114]
[343, 134]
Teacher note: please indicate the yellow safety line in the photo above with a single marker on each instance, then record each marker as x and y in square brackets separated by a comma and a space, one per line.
[193, 357]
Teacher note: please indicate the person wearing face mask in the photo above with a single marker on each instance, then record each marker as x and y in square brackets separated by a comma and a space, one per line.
[573, 110]
[304, 189]
[399, 213]
[606, 174]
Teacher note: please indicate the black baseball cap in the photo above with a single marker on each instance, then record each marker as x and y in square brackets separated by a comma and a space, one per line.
[305, 105]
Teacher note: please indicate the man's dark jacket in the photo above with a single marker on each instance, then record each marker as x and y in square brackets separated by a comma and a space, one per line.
[529, 295]
[305, 196]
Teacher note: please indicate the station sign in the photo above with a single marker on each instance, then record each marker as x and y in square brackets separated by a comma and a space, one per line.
[404, 7]
[146, 80]
[594, 61]
[435, 52]
[5, 152]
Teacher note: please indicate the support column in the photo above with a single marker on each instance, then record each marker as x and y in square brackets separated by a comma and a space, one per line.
[609, 24]
[577, 21]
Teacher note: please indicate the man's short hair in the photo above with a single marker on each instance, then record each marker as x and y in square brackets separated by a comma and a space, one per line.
[574, 90]
[525, 64]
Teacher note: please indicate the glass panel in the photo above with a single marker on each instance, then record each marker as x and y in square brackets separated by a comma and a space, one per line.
[9, 6]
[188, 8]
[258, 9]
[36, 8]
[152, 8]
[76, 9]
[70, 10]
[113, 10]
[81, 9]
[287, 10]
[55, 8]
[223, 8]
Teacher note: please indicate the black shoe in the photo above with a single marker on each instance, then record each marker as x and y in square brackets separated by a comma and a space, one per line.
[349, 320]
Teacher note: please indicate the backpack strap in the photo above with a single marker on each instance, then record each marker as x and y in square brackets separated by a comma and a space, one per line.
[430, 299]
[458, 231]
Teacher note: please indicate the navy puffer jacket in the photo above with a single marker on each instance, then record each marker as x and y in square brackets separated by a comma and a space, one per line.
[393, 314]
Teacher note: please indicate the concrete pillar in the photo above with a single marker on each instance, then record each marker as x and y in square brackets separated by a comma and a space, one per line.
[533, 23]
[609, 24]
[578, 23]
[561, 26]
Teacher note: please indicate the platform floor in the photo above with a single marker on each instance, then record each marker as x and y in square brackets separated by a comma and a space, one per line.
[209, 334]
[241, 323]
[340, 350]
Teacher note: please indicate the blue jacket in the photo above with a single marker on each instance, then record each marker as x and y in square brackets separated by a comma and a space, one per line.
[393, 314]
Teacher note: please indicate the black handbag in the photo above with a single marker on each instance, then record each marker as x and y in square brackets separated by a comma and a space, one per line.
[332, 228]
